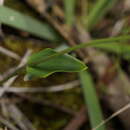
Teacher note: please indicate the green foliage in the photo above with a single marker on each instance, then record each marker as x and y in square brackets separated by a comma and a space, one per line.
[15, 19]
[40, 66]
[91, 100]
[70, 11]
[48, 61]
[98, 11]
[117, 48]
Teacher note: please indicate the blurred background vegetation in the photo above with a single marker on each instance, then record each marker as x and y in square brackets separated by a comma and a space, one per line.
[65, 101]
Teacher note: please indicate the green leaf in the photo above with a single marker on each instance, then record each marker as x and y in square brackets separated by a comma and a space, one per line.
[98, 11]
[117, 48]
[93, 106]
[70, 11]
[40, 66]
[17, 20]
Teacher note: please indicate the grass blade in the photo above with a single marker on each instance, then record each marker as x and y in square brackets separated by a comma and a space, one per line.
[91, 100]
[98, 11]
[69, 11]
[123, 109]
[117, 48]
[17, 20]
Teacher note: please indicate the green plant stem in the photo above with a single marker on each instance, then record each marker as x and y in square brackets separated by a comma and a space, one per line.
[89, 44]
